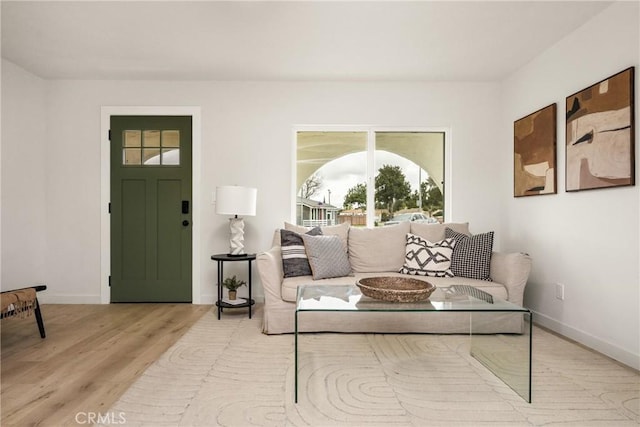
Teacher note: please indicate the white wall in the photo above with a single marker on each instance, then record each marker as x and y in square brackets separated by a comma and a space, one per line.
[24, 168]
[246, 140]
[586, 240]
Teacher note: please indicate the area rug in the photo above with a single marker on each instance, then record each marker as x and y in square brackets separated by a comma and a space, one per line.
[227, 373]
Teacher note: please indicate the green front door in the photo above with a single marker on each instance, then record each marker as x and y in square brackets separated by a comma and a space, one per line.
[151, 230]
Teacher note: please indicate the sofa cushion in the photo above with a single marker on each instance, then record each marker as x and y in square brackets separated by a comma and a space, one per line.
[294, 257]
[327, 256]
[435, 232]
[377, 249]
[340, 230]
[471, 254]
[424, 258]
[290, 285]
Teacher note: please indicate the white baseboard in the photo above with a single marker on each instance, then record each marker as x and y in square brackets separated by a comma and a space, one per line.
[611, 350]
[208, 299]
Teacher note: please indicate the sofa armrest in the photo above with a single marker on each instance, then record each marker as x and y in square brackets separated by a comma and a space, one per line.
[512, 270]
[270, 271]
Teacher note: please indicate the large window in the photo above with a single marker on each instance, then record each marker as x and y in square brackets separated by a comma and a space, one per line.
[369, 177]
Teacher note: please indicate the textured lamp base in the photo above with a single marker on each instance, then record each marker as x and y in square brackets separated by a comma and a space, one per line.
[237, 237]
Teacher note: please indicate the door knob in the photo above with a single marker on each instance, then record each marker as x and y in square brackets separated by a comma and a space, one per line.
[185, 222]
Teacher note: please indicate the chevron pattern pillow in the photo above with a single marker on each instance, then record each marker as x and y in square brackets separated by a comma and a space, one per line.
[294, 257]
[327, 256]
[423, 258]
[472, 254]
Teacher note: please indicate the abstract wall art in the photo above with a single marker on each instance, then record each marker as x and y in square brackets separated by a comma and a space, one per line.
[534, 153]
[600, 134]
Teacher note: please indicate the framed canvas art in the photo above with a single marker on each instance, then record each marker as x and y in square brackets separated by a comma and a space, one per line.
[534, 153]
[600, 134]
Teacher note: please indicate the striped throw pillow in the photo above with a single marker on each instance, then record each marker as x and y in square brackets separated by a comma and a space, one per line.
[294, 257]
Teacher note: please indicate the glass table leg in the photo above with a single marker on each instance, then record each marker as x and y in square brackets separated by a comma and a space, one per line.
[507, 356]
[296, 359]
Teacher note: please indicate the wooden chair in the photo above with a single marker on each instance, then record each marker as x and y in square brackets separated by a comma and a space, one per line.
[36, 307]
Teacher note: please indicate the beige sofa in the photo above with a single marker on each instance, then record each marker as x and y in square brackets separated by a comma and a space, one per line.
[381, 252]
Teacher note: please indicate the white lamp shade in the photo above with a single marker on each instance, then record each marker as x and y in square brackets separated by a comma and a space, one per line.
[234, 200]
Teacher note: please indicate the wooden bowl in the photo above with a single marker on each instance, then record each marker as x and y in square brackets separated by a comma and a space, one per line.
[396, 289]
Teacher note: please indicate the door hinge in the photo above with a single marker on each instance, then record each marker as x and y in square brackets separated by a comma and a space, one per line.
[109, 281]
[109, 207]
[109, 135]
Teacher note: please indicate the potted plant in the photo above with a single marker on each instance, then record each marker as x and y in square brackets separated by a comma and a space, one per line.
[232, 284]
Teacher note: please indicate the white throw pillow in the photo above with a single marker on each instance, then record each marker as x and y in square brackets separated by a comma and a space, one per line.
[424, 258]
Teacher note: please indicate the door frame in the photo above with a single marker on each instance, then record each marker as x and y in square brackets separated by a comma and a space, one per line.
[105, 189]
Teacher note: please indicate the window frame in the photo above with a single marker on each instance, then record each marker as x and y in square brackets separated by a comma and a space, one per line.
[371, 170]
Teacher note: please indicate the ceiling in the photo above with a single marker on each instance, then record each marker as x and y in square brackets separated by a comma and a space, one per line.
[284, 41]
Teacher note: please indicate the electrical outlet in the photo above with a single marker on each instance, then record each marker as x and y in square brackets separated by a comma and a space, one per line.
[560, 291]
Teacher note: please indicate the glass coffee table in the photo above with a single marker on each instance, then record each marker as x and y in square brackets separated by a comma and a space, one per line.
[507, 356]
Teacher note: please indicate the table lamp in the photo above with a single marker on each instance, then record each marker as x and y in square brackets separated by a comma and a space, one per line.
[236, 201]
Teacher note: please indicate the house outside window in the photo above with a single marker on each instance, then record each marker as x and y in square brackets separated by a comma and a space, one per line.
[311, 213]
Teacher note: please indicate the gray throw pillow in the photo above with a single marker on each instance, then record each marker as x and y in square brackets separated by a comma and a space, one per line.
[294, 257]
[471, 255]
[326, 256]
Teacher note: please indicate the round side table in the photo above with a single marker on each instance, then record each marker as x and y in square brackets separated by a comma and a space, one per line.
[221, 259]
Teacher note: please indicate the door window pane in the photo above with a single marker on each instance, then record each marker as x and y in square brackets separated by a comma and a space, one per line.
[171, 156]
[131, 156]
[171, 138]
[150, 156]
[151, 138]
[132, 138]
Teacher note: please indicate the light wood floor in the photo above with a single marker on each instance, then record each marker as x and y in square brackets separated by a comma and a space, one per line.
[91, 355]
